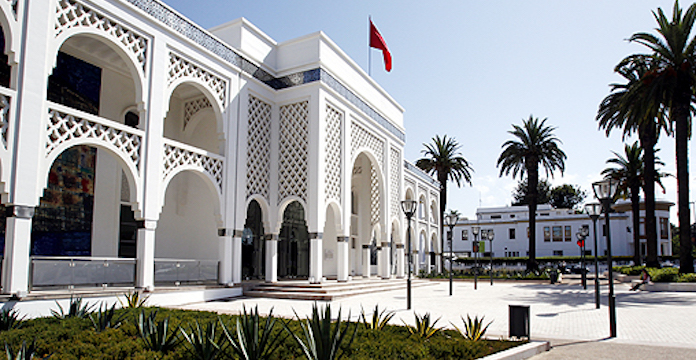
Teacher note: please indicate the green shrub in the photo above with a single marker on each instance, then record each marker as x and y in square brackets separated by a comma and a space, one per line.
[687, 277]
[320, 340]
[664, 275]
[424, 328]
[204, 344]
[473, 329]
[155, 334]
[378, 320]
[629, 270]
[253, 338]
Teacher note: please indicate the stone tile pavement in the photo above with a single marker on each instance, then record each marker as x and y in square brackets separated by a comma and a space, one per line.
[649, 324]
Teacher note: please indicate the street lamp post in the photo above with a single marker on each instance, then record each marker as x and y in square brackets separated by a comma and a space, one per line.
[604, 192]
[409, 208]
[491, 235]
[594, 209]
[451, 220]
[582, 235]
[474, 246]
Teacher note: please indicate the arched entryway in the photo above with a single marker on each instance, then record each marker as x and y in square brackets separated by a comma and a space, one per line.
[253, 244]
[293, 244]
[367, 215]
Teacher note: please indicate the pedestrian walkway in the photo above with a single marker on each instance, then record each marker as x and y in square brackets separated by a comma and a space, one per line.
[563, 314]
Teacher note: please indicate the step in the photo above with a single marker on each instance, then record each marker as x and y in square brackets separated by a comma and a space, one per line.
[328, 291]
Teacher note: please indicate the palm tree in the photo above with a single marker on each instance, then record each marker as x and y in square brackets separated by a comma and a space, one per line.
[636, 109]
[672, 84]
[443, 159]
[535, 144]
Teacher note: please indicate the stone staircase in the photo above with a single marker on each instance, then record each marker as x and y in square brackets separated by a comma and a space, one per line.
[328, 290]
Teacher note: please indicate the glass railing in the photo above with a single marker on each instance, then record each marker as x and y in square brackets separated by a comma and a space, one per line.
[71, 272]
[179, 272]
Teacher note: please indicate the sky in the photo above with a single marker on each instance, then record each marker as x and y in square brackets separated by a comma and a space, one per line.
[472, 69]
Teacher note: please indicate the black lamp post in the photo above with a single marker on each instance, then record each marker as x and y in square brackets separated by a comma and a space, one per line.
[491, 235]
[582, 235]
[594, 209]
[409, 208]
[475, 247]
[604, 192]
[451, 220]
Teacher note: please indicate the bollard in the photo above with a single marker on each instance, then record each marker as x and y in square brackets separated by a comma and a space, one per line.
[519, 321]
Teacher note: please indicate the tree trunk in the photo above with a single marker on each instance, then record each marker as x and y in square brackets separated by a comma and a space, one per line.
[648, 143]
[533, 181]
[443, 205]
[681, 118]
[635, 208]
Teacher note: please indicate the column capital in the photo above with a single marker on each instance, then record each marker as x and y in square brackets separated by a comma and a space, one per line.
[399, 246]
[147, 224]
[343, 238]
[229, 232]
[19, 211]
[268, 237]
[316, 236]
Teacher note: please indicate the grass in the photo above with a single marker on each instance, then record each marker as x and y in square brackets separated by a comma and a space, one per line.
[76, 338]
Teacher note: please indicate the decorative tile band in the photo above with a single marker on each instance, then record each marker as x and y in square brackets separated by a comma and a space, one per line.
[200, 36]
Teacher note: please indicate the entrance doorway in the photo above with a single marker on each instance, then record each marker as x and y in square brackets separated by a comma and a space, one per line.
[253, 249]
[293, 244]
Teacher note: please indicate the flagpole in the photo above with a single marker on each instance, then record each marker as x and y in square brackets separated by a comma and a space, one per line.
[369, 53]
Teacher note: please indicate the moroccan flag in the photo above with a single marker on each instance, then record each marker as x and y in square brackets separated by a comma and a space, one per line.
[377, 42]
[581, 243]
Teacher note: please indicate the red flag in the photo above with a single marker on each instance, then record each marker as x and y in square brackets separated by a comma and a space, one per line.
[581, 243]
[377, 42]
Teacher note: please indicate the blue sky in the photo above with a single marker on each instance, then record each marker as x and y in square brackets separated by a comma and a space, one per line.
[471, 69]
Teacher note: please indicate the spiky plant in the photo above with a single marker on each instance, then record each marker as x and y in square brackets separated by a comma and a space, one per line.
[23, 353]
[133, 299]
[105, 318]
[252, 338]
[474, 329]
[156, 334]
[204, 344]
[423, 328]
[9, 319]
[76, 309]
[322, 340]
[378, 320]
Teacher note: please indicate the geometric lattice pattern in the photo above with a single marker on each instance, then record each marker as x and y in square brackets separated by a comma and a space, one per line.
[374, 196]
[71, 14]
[294, 149]
[175, 156]
[363, 138]
[64, 128]
[333, 145]
[194, 106]
[258, 162]
[180, 67]
[394, 162]
[4, 118]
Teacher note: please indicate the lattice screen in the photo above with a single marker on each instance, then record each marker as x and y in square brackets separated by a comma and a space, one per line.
[374, 195]
[333, 145]
[64, 128]
[394, 172]
[294, 148]
[70, 13]
[194, 106]
[175, 157]
[180, 67]
[4, 118]
[360, 137]
[258, 148]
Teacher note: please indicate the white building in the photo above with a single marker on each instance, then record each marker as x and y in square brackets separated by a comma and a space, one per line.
[556, 229]
[140, 149]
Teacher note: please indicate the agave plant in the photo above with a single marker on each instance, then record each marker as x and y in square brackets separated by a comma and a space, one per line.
[379, 319]
[423, 328]
[474, 330]
[104, 318]
[156, 334]
[204, 344]
[251, 339]
[9, 319]
[134, 299]
[320, 340]
[75, 310]
[23, 353]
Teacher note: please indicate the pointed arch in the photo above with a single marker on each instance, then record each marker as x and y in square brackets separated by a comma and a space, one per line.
[208, 180]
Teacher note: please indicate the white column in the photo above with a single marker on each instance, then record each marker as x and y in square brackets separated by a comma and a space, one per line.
[400, 266]
[366, 261]
[225, 257]
[316, 257]
[380, 261]
[237, 257]
[414, 261]
[272, 258]
[145, 277]
[438, 264]
[342, 258]
[386, 253]
[15, 267]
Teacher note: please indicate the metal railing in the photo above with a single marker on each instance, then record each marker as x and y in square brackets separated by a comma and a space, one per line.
[178, 271]
[71, 272]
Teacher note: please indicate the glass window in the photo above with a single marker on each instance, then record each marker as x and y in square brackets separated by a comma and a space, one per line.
[568, 233]
[547, 233]
[512, 233]
[465, 234]
[558, 233]
[664, 228]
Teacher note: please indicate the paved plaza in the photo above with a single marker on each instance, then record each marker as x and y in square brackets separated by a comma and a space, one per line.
[649, 324]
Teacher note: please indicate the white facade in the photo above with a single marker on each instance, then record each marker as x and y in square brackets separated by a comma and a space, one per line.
[231, 130]
[556, 231]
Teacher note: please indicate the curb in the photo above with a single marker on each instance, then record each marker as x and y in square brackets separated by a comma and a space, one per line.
[520, 352]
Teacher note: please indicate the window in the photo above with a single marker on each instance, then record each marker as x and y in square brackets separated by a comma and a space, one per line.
[511, 232]
[547, 233]
[558, 233]
[664, 228]
[604, 230]
[496, 216]
[568, 233]
[558, 253]
[512, 216]
[642, 227]
[527, 232]
[465, 235]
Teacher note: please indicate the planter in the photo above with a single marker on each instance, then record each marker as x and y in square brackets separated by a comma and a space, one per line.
[677, 287]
